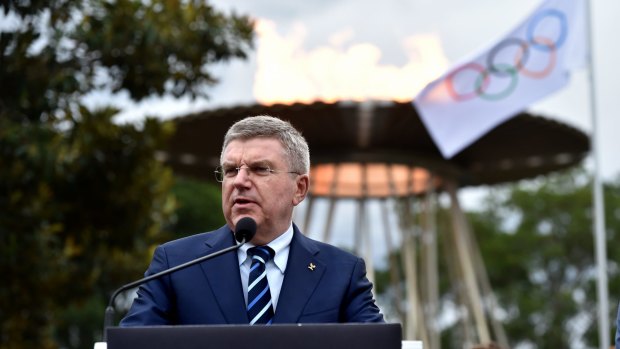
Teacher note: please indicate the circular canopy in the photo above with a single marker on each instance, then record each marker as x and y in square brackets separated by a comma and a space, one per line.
[388, 133]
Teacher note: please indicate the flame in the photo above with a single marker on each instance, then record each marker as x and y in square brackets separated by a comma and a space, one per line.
[287, 73]
[377, 180]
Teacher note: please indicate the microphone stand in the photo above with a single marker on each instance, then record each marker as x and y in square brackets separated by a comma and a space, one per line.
[109, 311]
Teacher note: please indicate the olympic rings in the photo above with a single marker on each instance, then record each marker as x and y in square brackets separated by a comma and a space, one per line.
[484, 82]
[521, 58]
[503, 94]
[553, 53]
[537, 19]
[518, 66]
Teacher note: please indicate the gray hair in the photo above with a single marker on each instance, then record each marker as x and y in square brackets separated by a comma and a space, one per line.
[295, 145]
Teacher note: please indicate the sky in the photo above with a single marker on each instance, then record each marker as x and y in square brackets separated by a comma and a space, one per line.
[325, 50]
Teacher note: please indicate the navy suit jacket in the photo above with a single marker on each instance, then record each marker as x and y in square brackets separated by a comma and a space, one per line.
[210, 292]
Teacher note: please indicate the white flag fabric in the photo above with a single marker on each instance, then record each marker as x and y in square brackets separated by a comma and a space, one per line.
[528, 64]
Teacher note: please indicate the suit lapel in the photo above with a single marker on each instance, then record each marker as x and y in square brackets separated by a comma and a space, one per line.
[222, 274]
[303, 273]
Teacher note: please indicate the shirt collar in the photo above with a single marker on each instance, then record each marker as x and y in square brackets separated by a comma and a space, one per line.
[280, 246]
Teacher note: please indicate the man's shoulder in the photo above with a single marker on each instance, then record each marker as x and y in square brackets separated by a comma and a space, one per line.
[192, 240]
[326, 250]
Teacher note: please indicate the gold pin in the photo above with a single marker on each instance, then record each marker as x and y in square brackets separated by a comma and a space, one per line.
[311, 266]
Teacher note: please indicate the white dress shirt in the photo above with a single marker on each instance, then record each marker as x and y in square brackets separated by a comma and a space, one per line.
[275, 267]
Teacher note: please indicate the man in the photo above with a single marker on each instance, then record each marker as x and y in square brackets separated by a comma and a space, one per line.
[265, 165]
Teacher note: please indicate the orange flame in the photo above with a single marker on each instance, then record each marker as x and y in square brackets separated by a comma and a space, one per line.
[287, 73]
[376, 180]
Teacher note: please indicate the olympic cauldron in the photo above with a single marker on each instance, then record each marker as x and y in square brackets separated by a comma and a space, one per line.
[387, 133]
[381, 151]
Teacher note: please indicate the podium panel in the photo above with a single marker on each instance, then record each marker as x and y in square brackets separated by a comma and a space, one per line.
[280, 336]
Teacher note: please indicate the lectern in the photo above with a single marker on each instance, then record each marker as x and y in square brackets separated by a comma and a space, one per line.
[285, 336]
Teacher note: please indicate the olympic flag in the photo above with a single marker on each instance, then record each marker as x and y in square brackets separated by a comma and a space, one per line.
[531, 62]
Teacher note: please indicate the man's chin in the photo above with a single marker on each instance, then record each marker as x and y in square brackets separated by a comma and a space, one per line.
[239, 216]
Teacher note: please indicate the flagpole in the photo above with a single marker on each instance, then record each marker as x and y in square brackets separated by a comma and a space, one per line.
[599, 205]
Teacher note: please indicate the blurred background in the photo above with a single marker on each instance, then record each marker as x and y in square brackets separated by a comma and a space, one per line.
[89, 93]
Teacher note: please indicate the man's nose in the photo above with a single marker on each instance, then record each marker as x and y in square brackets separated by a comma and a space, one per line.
[243, 176]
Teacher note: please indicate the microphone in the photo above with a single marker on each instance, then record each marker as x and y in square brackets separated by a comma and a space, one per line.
[244, 232]
[245, 229]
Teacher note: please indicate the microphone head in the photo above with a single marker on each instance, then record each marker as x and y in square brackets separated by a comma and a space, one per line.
[245, 229]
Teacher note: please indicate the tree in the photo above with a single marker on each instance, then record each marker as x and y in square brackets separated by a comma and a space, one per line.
[536, 241]
[61, 50]
[82, 199]
[537, 244]
[74, 221]
[199, 207]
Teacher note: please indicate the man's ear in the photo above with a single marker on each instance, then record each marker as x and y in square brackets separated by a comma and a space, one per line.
[303, 185]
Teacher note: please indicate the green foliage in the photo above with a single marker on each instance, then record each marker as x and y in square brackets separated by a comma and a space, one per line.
[63, 49]
[172, 44]
[38, 78]
[79, 211]
[199, 207]
[537, 242]
[83, 200]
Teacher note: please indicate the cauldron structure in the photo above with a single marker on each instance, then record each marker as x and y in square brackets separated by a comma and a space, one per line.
[375, 150]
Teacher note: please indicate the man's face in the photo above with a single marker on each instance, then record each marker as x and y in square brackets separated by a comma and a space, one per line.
[269, 199]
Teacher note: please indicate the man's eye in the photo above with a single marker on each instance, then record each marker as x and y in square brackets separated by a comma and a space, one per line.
[230, 171]
[261, 170]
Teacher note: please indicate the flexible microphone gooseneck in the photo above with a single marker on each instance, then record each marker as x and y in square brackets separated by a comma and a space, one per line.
[244, 232]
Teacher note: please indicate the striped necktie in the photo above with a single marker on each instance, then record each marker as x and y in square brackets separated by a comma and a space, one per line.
[260, 310]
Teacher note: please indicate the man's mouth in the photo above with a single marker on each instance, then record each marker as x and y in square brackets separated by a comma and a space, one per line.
[242, 201]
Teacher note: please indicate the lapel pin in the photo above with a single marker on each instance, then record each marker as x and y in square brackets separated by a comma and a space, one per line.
[311, 266]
